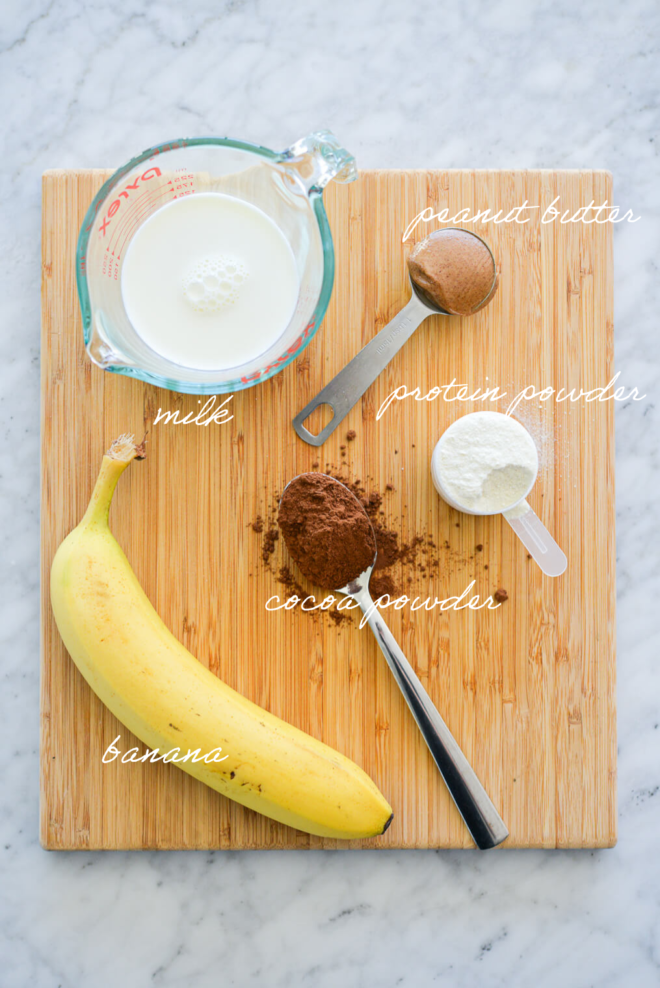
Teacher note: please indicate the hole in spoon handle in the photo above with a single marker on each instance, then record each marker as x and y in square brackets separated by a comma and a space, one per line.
[347, 387]
[537, 539]
[329, 427]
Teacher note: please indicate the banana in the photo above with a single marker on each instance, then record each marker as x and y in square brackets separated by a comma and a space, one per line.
[169, 700]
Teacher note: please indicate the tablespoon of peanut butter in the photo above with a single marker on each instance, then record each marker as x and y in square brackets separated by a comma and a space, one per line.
[452, 272]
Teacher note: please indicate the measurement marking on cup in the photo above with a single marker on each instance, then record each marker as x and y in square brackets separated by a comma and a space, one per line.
[116, 203]
[140, 208]
[133, 217]
[127, 218]
[145, 211]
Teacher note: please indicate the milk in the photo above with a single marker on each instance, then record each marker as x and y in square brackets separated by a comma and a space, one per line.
[209, 282]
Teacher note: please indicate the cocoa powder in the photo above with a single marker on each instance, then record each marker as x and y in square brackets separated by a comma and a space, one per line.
[270, 538]
[404, 564]
[382, 584]
[326, 530]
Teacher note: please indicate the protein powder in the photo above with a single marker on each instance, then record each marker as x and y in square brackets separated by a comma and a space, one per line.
[484, 463]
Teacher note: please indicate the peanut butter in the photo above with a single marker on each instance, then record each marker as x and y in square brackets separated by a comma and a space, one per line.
[454, 270]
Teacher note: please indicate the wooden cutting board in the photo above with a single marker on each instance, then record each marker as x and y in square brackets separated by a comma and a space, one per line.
[527, 689]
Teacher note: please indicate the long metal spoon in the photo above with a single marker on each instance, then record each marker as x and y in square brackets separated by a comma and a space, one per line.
[473, 803]
[347, 387]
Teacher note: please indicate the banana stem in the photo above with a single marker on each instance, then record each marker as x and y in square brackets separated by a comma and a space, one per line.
[122, 451]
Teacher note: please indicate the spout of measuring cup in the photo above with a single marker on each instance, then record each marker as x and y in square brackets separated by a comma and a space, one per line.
[99, 348]
[536, 538]
[315, 160]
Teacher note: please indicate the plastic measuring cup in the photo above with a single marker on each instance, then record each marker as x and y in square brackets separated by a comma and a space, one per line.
[520, 515]
[286, 185]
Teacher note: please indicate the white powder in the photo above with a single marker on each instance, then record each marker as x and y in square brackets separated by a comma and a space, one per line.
[485, 462]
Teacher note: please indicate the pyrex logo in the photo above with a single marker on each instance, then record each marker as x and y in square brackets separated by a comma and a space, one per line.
[125, 194]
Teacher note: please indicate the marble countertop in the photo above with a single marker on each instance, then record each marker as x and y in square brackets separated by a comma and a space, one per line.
[507, 84]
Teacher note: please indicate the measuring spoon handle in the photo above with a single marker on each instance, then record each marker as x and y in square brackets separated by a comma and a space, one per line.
[346, 389]
[537, 539]
[473, 802]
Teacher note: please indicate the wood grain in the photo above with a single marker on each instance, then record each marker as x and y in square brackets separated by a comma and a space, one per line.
[527, 689]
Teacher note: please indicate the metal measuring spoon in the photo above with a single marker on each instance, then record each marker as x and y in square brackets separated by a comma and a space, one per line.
[473, 803]
[348, 386]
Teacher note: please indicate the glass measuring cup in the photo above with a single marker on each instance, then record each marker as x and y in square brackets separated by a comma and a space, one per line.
[287, 186]
[520, 515]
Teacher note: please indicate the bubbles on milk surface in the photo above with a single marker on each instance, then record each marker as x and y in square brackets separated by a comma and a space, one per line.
[214, 282]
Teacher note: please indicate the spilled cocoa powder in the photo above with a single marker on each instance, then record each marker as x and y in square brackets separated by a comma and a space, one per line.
[381, 584]
[326, 530]
[270, 538]
[288, 580]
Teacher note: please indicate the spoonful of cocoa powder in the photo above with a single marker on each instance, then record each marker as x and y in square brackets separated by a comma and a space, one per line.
[326, 530]
[329, 535]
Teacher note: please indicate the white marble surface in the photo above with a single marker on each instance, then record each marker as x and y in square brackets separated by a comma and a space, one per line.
[514, 84]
